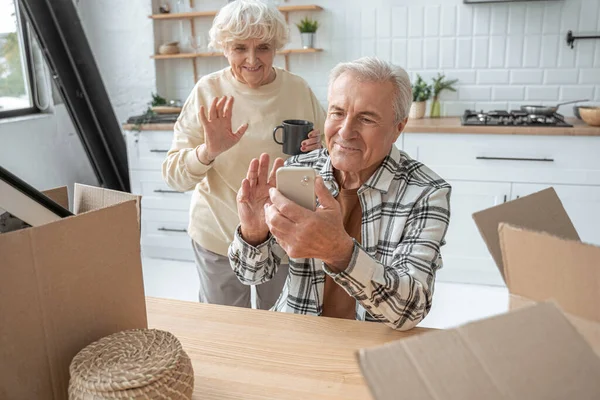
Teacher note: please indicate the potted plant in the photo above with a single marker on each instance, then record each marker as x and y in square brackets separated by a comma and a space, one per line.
[421, 93]
[308, 29]
[439, 85]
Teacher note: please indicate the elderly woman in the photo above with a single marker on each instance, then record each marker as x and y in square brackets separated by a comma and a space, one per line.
[211, 158]
[371, 249]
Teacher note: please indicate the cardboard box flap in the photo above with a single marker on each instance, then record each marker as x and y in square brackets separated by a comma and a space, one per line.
[87, 198]
[59, 195]
[541, 211]
[65, 285]
[540, 267]
[532, 353]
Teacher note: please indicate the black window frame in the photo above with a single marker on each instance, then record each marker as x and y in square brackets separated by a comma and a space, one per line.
[23, 28]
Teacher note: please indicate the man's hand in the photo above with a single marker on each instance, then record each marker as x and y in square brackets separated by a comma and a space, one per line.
[253, 196]
[306, 234]
[218, 135]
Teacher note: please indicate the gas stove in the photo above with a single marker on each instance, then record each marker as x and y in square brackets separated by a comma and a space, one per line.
[514, 117]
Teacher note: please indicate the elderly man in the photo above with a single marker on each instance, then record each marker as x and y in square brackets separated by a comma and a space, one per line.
[371, 249]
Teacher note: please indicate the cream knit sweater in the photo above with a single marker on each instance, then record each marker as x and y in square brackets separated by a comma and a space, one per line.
[213, 210]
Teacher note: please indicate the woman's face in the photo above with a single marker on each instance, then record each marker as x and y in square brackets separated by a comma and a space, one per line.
[251, 61]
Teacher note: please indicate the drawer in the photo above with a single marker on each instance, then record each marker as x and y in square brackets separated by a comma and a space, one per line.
[148, 149]
[156, 194]
[553, 159]
[165, 227]
[164, 234]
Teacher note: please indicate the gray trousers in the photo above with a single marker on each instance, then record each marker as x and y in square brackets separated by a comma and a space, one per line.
[220, 285]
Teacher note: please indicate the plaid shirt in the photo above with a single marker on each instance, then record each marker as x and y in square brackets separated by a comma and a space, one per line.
[405, 215]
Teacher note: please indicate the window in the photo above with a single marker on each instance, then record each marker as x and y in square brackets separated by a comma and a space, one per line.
[15, 63]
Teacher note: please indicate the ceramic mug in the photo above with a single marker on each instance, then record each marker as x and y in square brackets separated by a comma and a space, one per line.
[295, 131]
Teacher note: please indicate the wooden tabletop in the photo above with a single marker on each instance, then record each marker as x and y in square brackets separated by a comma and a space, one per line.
[453, 125]
[248, 354]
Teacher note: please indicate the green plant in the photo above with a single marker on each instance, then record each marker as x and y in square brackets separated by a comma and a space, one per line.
[440, 84]
[157, 100]
[421, 90]
[147, 116]
[308, 25]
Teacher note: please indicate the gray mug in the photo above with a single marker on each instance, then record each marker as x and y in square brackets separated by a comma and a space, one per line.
[295, 131]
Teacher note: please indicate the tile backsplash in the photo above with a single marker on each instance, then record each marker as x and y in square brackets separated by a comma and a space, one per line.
[504, 54]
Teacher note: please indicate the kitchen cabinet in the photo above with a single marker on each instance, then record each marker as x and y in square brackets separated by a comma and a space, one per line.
[165, 212]
[465, 255]
[581, 202]
[485, 170]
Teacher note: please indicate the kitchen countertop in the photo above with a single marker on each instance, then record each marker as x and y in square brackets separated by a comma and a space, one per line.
[239, 353]
[452, 125]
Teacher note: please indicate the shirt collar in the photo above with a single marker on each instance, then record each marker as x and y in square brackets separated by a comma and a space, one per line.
[381, 179]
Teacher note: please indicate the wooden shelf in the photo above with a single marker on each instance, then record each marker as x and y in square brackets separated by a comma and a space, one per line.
[199, 14]
[218, 54]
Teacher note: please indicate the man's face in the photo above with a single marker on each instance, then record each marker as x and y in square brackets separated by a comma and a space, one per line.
[360, 127]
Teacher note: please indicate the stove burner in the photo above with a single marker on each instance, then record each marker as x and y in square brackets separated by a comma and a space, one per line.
[514, 117]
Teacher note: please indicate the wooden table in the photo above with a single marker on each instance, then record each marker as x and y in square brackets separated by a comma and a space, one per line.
[250, 354]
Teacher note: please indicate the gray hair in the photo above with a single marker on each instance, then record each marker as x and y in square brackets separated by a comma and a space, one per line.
[372, 69]
[248, 19]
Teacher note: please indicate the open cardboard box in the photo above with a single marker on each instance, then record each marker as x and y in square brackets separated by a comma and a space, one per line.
[530, 353]
[64, 285]
[541, 257]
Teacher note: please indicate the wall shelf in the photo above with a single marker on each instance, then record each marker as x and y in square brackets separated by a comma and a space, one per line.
[192, 15]
[200, 14]
[219, 54]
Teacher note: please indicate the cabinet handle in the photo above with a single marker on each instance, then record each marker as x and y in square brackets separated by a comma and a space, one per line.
[167, 191]
[515, 159]
[504, 198]
[158, 151]
[163, 229]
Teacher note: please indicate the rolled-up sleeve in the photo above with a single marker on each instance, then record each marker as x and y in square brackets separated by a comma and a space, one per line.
[400, 294]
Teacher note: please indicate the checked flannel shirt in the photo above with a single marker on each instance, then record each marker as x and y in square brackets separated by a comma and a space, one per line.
[405, 215]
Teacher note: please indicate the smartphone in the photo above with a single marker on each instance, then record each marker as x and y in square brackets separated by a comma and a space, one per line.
[298, 185]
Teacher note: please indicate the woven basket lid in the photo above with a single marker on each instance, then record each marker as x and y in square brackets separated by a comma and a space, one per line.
[137, 364]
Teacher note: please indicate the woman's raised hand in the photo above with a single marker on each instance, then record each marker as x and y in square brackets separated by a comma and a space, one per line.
[218, 134]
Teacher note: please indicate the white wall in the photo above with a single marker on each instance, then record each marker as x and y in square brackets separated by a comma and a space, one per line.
[504, 54]
[45, 151]
[121, 37]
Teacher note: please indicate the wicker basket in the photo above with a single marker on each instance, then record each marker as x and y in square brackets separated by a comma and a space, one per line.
[135, 364]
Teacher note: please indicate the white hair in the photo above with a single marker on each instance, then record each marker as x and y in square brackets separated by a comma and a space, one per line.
[372, 69]
[248, 19]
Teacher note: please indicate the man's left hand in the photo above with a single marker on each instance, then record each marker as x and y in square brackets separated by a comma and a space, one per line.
[310, 234]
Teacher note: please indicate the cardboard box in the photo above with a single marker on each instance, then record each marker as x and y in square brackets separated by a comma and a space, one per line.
[533, 353]
[539, 253]
[65, 285]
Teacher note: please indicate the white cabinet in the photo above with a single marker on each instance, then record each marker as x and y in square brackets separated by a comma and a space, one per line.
[582, 203]
[165, 212]
[485, 170]
[571, 160]
[465, 255]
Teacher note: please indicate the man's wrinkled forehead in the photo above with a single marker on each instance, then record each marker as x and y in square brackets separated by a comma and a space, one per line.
[348, 87]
